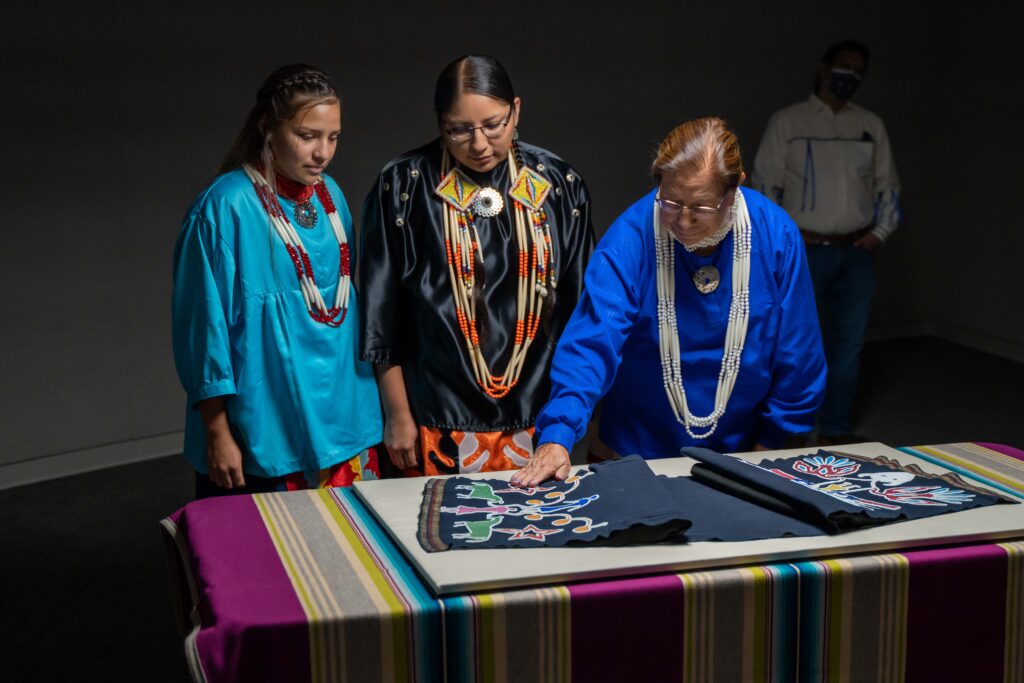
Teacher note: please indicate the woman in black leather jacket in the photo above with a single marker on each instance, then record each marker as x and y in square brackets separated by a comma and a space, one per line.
[472, 259]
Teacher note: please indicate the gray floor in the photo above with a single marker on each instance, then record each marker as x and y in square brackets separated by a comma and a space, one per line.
[85, 594]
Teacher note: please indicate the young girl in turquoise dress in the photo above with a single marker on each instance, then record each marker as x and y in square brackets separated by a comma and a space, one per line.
[265, 317]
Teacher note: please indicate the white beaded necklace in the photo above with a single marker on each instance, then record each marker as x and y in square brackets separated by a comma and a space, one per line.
[315, 305]
[735, 333]
[535, 278]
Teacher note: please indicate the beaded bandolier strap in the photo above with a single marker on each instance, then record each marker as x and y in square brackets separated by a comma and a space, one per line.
[535, 266]
[318, 310]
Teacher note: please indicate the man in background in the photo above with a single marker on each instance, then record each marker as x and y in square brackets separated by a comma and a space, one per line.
[827, 162]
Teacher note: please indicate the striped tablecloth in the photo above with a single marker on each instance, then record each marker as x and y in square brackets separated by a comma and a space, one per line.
[306, 586]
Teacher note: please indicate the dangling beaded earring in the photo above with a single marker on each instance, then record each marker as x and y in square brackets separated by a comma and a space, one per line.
[515, 134]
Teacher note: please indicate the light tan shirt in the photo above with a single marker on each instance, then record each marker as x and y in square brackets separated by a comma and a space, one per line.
[832, 172]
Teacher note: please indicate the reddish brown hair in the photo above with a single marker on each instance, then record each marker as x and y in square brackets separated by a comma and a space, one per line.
[702, 145]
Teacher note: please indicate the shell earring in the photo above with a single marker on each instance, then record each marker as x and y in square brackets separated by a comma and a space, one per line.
[515, 134]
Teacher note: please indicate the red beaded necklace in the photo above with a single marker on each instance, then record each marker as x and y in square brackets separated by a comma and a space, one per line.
[293, 189]
[318, 310]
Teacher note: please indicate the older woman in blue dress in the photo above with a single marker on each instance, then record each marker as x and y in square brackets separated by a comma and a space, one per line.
[697, 324]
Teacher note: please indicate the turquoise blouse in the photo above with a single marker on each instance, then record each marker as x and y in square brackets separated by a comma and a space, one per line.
[297, 398]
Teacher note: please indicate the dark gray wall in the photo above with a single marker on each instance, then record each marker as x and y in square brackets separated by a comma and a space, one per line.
[975, 274]
[117, 113]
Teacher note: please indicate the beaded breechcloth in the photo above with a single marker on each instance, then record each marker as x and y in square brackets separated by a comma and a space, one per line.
[450, 451]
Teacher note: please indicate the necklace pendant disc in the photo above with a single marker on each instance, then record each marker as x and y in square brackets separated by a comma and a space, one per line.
[305, 214]
[706, 279]
[488, 203]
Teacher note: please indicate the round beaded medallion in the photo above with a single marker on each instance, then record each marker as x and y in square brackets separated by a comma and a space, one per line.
[305, 214]
[706, 279]
[488, 203]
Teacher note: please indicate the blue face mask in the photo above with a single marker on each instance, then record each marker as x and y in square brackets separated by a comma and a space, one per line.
[842, 83]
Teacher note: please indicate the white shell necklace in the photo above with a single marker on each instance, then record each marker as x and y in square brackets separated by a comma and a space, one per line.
[735, 332]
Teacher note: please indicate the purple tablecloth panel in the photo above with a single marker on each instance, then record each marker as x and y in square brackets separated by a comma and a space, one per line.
[247, 606]
[1004, 449]
[957, 604]
[1014, 657]
[628, 629]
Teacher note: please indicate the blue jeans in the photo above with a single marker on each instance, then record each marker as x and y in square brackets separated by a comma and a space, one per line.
[844, 282]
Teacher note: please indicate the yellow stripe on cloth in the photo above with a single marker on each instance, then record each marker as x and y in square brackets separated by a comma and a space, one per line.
[518, 635]
[1013, 649]
[490, 637]
[338, 580]
[757, 625]
[698, 627]
[372, 576]
[326, 508]
[894, 609]
[990, 459]
[326, 640]
[837, 618]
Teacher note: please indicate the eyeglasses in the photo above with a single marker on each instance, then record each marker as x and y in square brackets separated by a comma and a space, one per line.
[669, 207]
[490, 130]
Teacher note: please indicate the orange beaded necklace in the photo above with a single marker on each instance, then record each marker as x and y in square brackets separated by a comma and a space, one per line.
[535, 266]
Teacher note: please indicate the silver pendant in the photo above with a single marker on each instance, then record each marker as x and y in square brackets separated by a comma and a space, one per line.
[305, 214]
[706, 279]
[488, 203]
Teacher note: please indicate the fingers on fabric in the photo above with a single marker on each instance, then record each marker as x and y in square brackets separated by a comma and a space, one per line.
[562, 472]
[546, 463]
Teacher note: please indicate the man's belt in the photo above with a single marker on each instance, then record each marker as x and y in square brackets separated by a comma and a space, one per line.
[821, 239]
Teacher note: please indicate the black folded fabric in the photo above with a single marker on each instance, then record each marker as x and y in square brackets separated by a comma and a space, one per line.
[719, 516]
[839, 492]
[620, 502]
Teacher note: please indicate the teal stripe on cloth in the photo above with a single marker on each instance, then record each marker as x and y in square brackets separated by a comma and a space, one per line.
[460, 639]
[785, 601]
[813, 617]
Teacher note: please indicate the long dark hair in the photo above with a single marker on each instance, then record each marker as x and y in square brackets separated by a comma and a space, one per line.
[286, 91]
[477, 74]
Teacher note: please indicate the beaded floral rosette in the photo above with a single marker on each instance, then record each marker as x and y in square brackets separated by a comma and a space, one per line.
[535, 264]
[318, 310]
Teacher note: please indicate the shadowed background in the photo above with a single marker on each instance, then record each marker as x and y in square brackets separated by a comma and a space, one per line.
[116, 114]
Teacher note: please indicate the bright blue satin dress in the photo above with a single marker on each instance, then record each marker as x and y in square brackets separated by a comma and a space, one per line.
[610, 347]
[297, 398]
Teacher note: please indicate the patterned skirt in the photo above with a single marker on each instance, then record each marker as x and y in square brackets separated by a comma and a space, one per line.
[363, 466]
[450, 451]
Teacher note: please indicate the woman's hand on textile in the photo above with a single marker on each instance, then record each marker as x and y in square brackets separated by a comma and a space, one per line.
[550, 460]
[400, 435]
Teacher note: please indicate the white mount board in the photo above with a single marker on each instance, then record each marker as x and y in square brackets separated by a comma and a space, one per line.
[396, 504]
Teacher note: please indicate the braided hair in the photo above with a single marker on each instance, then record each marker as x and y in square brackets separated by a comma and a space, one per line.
[285, 93]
